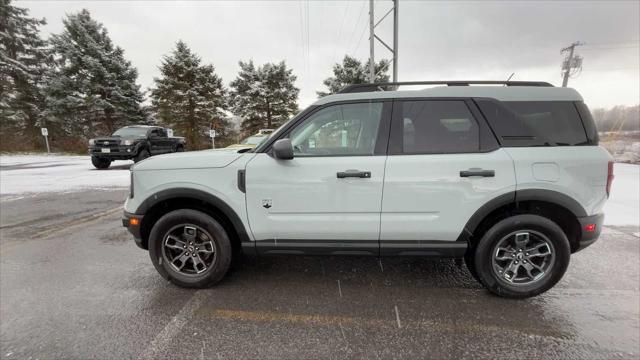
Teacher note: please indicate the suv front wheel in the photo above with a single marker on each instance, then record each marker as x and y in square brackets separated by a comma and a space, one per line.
[190, 248]
[522, 256]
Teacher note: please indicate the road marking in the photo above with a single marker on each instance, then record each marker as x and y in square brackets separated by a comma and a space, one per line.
[381, 267]
[417, 324]
[161, 343]
[74, 223]
[339, 289]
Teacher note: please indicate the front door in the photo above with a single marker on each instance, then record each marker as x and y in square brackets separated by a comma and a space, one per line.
[326, 199]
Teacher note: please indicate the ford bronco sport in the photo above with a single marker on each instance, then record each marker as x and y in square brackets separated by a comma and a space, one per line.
[509, 178]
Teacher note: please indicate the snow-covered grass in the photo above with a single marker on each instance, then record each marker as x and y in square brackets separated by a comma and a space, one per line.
[24, 174]
[623, 206]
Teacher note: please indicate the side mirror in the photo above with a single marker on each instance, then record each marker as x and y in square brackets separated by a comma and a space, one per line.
[282, 149]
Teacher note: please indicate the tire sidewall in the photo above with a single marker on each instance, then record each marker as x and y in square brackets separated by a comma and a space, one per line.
[220, 239]
[143, 154]
[483, 259]
[100, 163]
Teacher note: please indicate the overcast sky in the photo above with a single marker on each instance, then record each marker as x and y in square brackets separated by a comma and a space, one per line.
[438, 40]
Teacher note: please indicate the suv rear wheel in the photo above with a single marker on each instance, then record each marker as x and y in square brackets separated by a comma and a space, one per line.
[190, 248]
[522, 256]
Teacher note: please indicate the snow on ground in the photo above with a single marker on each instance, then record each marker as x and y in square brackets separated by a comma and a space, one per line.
[24, 174]
[623, 206]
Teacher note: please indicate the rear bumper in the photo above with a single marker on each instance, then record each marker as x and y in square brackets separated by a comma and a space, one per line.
[133, 229]
[589, 237]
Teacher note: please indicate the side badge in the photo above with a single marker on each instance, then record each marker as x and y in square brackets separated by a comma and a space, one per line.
[266, 203]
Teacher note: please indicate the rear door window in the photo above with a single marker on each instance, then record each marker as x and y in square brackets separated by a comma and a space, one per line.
[438, 127]
[535, 123]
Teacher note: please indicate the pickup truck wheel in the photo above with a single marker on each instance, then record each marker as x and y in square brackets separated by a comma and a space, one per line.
[143, 154]
[522, 256]
[180, 149]
[190, 248]
[100, 163]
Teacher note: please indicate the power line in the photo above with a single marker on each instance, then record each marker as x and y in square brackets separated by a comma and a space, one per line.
[589, 44]
[335, 49]
[304, 52]
[364, 28]
[308, 42]
[612, 48]
[355, 27]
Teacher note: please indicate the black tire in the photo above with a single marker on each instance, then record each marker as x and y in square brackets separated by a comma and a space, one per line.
[469, 261]
[180, 148]
[544, 228]
[142, 154]
[209, 227]
[100, 163]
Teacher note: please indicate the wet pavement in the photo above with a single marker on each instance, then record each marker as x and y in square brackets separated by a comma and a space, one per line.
[74, 285]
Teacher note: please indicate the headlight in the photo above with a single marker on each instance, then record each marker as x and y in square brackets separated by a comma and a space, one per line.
[92, 142]
[127, 142]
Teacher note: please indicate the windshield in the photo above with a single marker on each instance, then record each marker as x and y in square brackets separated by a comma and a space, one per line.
[131, 131]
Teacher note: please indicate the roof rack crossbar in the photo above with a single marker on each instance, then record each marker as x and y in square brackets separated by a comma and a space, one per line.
[384, 86]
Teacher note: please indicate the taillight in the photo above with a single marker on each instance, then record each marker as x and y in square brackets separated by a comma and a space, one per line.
[609, 177]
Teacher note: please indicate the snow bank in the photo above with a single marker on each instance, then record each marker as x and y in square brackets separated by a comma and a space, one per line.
[21, 174]
[623, 206]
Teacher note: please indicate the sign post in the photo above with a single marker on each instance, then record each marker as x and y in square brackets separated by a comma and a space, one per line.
[45, 133]
[212, 135]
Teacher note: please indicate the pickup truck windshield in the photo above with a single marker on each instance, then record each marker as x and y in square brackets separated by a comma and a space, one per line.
[131, 131]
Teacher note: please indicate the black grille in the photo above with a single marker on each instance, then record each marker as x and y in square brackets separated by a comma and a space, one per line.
[107, 143]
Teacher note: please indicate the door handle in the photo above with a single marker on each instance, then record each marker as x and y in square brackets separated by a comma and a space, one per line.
[353, 174]
[477, 172]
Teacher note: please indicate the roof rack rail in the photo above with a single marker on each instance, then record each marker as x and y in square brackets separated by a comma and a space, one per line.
[390, 86]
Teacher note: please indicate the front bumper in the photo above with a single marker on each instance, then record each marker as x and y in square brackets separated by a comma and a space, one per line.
[120, 152]
[133, 226]
[589, 237]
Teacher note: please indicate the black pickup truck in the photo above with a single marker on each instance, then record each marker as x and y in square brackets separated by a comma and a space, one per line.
[133, 142]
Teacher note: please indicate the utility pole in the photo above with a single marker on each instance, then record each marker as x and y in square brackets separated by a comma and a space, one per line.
[570, 62]
[373, 37]
[372, 62]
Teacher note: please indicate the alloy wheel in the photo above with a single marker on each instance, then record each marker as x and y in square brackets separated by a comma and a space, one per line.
[189, 249]
[523, 257]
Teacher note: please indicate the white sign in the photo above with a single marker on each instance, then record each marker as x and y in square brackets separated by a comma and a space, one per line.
[169, 132]
[212, 133]
[45, 132]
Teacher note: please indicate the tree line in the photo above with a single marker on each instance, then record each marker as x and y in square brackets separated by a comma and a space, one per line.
[79, 85]
[617, 118]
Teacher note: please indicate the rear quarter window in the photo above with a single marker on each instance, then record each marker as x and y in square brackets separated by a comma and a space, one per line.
[535, 123]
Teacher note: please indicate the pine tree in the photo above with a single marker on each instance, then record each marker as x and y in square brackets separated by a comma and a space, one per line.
[92, 89]
[352, 71]
[265, 97]
[23, 61]
[190, 98]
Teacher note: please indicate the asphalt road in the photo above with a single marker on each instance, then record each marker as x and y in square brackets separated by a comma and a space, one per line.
[74, 285]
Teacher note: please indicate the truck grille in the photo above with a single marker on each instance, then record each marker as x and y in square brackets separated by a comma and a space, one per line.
[107, 143]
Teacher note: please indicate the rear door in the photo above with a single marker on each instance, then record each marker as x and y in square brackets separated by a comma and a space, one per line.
[327, 199]
[443, 165]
